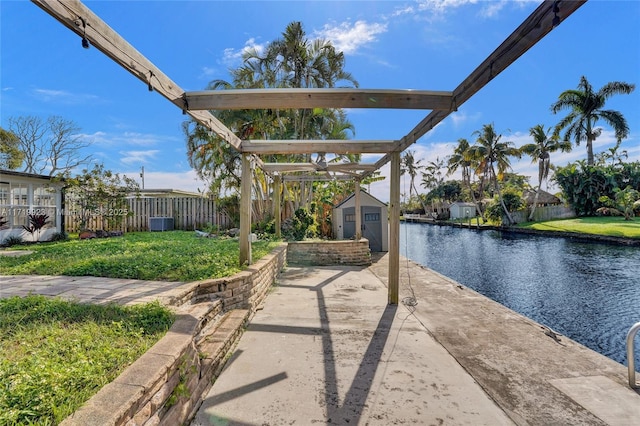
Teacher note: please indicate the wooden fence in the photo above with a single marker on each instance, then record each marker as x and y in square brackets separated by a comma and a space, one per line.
[544, 213]
[187, 213]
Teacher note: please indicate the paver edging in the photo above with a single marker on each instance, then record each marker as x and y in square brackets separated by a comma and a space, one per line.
[167, 383]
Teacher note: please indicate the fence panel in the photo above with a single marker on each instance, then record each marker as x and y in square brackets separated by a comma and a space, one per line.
[187, 213]
[544, 213]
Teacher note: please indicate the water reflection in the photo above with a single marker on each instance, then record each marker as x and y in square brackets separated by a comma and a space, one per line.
[586, 291]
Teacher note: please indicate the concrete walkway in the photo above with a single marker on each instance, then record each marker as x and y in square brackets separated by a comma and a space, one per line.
[91, 289]
[327, 349]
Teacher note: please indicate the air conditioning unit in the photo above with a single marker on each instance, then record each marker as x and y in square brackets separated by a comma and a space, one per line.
[160, 224]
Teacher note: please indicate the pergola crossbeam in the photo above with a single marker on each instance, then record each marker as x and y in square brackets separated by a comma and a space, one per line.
[314, 178]
[318, 98]
[313, 167]
[339, 146]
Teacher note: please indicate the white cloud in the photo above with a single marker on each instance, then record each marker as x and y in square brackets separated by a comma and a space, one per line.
[348, 37]
[105, 139]
[138, 157]
[185, 181]
[233, 57]
[208, 72]
[63, 97]
[461, 118]
[489, 9]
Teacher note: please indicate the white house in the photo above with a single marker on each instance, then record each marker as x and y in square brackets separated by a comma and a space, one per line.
[24, 194]
[374, 220]
[460, 210]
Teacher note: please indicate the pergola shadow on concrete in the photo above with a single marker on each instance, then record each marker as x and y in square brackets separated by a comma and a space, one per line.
[81, 20]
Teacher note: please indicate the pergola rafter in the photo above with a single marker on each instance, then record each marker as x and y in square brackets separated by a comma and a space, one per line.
[75, 16]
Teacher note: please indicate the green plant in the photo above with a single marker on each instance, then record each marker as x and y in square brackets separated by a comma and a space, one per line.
[59, 236]
[12, 240]
[302, 225]
[626, 201]
[512, 201]
[61, 353]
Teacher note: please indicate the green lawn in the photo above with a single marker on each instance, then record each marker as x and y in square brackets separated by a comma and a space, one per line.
[605, 225]
[55, 355]
[165, 256]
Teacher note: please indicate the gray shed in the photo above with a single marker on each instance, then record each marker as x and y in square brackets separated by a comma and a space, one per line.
[374, 219]
[460, 210]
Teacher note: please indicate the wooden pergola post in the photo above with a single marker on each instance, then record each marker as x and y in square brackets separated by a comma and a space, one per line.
[277, 181]
[358, 211]
[394, 229]
[245, 211]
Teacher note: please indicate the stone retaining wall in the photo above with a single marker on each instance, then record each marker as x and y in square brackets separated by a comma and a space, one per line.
[166, 385]
[343, 252]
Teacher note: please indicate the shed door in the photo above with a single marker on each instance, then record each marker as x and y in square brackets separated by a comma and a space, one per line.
[371, 225]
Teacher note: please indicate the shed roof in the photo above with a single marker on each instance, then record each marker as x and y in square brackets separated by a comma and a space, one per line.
[366, 194]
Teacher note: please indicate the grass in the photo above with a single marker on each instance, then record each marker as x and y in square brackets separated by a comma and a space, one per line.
[55, 354]
[614, 226]
[163, 256]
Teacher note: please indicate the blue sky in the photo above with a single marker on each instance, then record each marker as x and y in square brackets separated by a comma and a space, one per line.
[423, 45]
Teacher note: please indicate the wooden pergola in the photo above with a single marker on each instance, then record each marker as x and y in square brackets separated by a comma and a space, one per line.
[81, 20]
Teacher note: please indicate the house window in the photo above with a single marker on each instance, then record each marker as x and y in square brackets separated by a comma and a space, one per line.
[44, 202]
[350, 218]
[19, 204]
[372, 217]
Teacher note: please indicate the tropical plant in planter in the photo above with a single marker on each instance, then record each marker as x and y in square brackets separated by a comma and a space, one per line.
[36, 223]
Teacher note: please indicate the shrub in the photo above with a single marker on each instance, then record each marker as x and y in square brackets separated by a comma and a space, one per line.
[59, 236]
[302, 225]
[13, 240]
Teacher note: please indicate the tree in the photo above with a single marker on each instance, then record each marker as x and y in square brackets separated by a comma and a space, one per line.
[411, 166]
[10, 155]
[462, 158]
[99, 192]
[587, 109]
[491, 154]
[625, 202]
[292, 61]
[54, 147]
[540, 150]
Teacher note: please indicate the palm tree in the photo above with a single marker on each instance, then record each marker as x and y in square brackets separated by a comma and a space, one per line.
[492, 153]
[462, 158]
[292, 61]
[540, 150]
[411, 166]
[586, 109]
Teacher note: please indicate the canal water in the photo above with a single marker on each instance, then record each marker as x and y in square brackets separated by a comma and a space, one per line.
[589, 292]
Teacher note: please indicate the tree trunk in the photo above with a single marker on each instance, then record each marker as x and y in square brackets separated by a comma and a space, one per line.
[497, 188]
[535, 200]
[590, 159]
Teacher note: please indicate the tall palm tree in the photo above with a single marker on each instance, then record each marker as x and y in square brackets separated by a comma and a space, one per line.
[291, 61]
[586, 109]
[462, 159]
[411, 166]
[540, 150]
[492, 154]
[432, 177]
